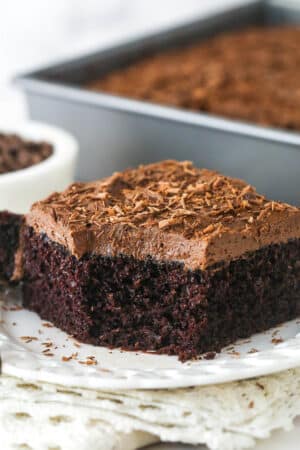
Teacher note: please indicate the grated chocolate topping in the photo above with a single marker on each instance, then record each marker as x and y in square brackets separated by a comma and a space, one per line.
[170, 197]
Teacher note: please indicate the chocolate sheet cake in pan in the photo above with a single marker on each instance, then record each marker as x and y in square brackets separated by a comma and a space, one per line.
[181, 108]
[166, 257]
[250, 74]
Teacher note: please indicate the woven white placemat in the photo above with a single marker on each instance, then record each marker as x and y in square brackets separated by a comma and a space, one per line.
[36, 422]
[227, 417]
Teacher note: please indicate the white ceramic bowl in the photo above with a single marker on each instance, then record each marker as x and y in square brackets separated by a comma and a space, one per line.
[19, 189]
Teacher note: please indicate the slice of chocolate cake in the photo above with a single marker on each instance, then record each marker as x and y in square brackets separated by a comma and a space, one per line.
[9, 244]
[165, 257]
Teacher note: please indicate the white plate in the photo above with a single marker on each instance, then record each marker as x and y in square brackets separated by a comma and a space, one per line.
[25, 342]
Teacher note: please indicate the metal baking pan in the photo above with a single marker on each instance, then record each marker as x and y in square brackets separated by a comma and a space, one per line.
[115, 132]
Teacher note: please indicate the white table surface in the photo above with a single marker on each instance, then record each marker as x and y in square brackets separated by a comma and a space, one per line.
[32, 41]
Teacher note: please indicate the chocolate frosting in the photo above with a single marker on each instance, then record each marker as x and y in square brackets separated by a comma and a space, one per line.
[171, 211]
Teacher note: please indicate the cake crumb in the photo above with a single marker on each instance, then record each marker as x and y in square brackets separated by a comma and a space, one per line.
[69, 358]
[47, 350]
[90, 361]
[28, 339]
[209, 355]
[253, 350]
[234, 353]
[15, 308]
[47, 325]
[103, 369]
[47, 344]
[277, 341]
[247, 341]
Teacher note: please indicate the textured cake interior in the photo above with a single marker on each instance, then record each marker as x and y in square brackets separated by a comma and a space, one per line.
[148, 305]
[9, 242]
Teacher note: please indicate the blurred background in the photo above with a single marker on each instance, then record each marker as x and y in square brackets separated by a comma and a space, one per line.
[35, 32]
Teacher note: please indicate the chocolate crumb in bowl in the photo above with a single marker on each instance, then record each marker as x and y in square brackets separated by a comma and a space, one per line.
[17, 153]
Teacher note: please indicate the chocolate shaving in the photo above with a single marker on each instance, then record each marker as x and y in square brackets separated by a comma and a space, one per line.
[169, 195]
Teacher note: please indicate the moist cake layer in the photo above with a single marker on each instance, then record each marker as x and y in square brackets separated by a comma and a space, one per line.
[252, 75]
[9, 243]
[169, 211]
[153, 305]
